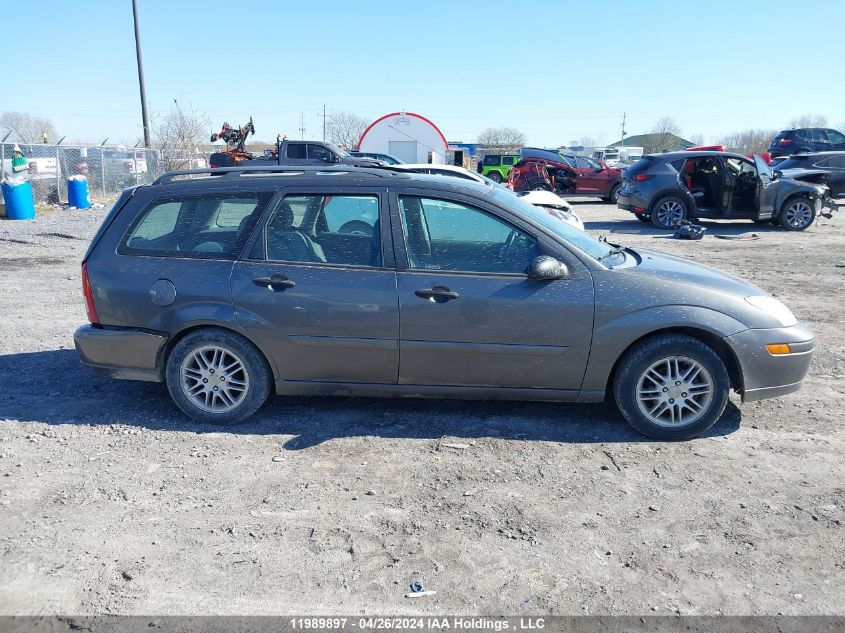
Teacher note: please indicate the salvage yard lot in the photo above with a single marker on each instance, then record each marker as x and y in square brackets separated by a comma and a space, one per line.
[111, 501]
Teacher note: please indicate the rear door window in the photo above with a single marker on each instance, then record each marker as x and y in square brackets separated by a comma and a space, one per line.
[214, 226]
[508, 160]
[296, 151]
[325, 229]
[818, 135]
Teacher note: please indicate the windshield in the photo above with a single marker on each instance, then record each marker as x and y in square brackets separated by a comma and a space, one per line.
[590, 245]
[341, 152]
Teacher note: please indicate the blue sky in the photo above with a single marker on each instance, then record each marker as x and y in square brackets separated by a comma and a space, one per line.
[555, 70]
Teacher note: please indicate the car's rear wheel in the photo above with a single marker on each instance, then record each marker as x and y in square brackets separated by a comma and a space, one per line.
[495, 176]
[671, 387]
[797, 214]
[667, 212]
[217, 376]
[539, 186]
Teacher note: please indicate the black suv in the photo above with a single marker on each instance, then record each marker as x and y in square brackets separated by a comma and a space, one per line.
[666, 188]
[806, 139]
[827, 168]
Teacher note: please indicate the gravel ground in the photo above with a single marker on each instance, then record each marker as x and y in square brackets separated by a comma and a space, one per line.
[113, 502]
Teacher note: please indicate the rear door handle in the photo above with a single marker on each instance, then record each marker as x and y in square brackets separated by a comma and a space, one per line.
[438, 294]
[274, 282]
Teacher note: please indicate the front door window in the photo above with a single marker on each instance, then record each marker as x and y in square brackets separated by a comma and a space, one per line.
[450, 236]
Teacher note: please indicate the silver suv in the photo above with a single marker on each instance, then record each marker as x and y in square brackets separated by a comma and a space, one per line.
[229, 284]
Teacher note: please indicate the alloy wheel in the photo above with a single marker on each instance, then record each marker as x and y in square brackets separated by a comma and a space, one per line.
[214, 379]
[669, 212]
[674, 391]
[799, 214]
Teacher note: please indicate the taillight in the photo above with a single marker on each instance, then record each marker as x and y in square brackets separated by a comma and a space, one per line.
[643, 177]
[90, 307]
[786, 141]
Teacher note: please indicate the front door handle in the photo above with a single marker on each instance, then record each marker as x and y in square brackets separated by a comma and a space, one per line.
[274, 282]
[438, 294]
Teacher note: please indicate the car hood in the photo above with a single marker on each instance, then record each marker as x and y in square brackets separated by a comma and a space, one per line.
[657, 279]
[676, 270]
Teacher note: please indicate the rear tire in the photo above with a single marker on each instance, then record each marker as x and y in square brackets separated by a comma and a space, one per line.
[495, 176]
[539, 186]
[797, 214]
[671, 387]
[217, 376]
[667, 211]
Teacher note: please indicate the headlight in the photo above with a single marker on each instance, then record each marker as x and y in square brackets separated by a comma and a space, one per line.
[773, 308]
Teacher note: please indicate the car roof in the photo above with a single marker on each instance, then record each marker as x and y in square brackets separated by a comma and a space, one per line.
[306, 175]
[695, 154]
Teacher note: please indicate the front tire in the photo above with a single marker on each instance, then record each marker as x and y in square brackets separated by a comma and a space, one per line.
[667, 212]
[671, 387]
[798, 214]
[217, 376]
[495, 176]
[613, 197]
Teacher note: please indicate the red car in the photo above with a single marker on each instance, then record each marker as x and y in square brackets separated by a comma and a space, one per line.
[572, 176]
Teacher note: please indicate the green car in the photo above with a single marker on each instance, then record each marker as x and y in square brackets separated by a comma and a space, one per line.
[497, 167]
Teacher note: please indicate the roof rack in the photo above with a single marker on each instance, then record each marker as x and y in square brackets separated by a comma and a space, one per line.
[265, 169]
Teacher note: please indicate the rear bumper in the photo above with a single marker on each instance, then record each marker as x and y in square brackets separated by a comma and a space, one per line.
[628, 200]
[766, 375]
[124, 353]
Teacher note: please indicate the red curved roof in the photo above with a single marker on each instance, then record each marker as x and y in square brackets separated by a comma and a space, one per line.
[413, 114]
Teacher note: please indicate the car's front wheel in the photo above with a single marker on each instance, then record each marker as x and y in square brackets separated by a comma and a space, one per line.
[797, 214]
[671, 387]
[495, 176]
[667, 212]
[613, 196]
[217, 376]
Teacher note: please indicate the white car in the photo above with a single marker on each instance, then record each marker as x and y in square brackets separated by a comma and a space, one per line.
[555, 205]
[447, 170]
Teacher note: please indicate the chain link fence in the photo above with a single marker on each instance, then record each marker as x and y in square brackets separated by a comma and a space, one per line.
[109, 169]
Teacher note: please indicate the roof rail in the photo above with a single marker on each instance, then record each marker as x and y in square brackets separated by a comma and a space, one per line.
[265, 169]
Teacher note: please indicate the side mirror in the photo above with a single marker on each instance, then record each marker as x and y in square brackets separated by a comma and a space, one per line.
[776, 173]
[330, 158]
[545, 268]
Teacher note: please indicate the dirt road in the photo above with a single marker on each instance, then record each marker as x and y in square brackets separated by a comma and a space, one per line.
[113, 502]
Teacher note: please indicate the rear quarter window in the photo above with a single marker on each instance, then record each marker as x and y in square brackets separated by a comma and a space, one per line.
[194, 226]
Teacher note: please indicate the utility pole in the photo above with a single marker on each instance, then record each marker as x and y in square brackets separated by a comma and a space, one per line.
[624, 115]
[302, 125]
[144, 115]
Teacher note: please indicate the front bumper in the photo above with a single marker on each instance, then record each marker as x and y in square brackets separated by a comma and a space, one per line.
[766, 375]
[124, 353]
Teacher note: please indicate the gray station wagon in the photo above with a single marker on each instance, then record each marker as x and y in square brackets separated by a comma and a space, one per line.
[229, 283]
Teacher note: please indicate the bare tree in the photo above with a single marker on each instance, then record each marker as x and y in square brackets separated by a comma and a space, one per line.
[501, 139]
[663, 135]
[748, 141]
[588, 141]
[178, 135]
[809, 120]
[697, 140]
[26, 128]
[344, 129]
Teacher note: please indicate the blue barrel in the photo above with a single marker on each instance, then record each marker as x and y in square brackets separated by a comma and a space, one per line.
[77, 192]
[18, 200]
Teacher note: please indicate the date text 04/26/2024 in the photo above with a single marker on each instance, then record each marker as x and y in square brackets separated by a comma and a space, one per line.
[442, 623]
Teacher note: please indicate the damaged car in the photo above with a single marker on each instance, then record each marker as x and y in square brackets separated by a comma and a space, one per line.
[666, 188]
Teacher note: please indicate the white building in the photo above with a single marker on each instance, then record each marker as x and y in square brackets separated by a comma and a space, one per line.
[407, 136]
